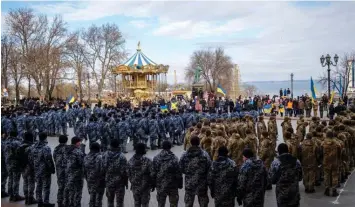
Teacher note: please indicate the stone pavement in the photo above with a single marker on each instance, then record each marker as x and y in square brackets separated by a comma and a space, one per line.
[346, 198]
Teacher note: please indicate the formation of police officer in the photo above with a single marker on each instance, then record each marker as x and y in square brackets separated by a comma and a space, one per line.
[221, 155]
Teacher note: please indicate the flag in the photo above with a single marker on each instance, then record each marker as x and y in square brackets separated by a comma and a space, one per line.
[267, 108]
[71, 99]
[221, 90]
[163, 108]
[332, 94]
[313, 90]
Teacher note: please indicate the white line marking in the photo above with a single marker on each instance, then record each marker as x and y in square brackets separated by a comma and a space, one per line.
[341, 190]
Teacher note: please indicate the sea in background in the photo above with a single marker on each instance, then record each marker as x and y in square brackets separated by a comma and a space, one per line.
[300, 87]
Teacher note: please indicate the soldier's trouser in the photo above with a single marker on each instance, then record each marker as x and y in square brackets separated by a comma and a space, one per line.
[315, 113]
[74, 191]
[123, 144]
[51, 129]
[153, 140]
[28, 184]
[96, 195]
[321, 114]
[61, 181]
[4, 176]
[64, 128]
[330, 178]
[173, 198]
[177, 137]
[161, 138]
[141, 198]
[43, 188]
[224, 202]
[309, 178]
[119, 192]
[14, 182]
[190, 198]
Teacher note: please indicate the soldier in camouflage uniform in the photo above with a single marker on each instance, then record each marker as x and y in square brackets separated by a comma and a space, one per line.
[123, 133]
[75, 173]
[94, 178]
[60, 161]
[218, 142]
[261, 126]
[252, 181]
[154, 132]
[58, 121]
[195, 164]
[206, 143]
[286, 172]
[41, 157]
[80, 129]
[223, 179]
[162, 130]
[236, 146]
[27, 168]
[251, 141]
[114, 169]
[106, 133]
[20, 124]
[140, 175]
[92, 130]
[4, 171]
[272, 129]
[143, 130]
[167, 176]
[12, 165]
[64, 121]
[308, 158]
[331, 161]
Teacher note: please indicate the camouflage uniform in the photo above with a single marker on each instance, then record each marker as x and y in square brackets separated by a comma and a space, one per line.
[4, 170]
[139, 173]
[114, 169]
[64, 121]
[143, 130]
[308, 160]
[251, 142]
[206, 144]
[75, 176]
[261, 127]
[27, 169]
[195, 164]
[92, 131]
[331, 161]
[162, 130]
[236, 146]
[106, 135]
[123, 133]
[223, 180]
[153, 132]
[58, 121]
[94, 178]
[21, 125]
[80, 129]
[286, 172]
[12, 165]
[167, 177]
[41, 157]
[216, 144]
[252, 181]
[59, 156]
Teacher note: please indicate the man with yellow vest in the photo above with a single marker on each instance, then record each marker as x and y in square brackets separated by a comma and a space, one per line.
[289, 107]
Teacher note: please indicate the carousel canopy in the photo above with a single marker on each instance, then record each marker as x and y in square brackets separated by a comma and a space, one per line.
[139, 59]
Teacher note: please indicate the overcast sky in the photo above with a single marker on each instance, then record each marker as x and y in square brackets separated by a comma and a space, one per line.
[267, 40]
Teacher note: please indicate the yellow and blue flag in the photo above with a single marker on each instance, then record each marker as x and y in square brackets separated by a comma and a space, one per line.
[221, 90]
[332, 94]
[71, 99]
[313, 90]
[267, 108]
[163, 108]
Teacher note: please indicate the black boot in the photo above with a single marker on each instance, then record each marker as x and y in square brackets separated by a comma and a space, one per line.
[4, 195]
[48, 205]
[26, 200]
[18, 198]
[326, 192]
[317, 183]
[335, 193]
[32, 200]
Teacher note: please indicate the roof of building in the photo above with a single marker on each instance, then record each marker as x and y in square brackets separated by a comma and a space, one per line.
[139, 59]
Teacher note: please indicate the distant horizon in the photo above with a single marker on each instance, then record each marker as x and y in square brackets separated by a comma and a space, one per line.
[276, 81]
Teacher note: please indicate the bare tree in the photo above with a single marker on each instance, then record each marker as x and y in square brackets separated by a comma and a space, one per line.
[6, 45]
[340, 77]
[74, 53]
[104, 50]
[216, 68]
[16, 69]
[249, 90]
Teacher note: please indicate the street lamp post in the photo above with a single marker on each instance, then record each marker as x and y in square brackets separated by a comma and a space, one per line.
[292, 85]
[326, 61]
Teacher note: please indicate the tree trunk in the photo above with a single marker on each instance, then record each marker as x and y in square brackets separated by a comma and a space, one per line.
[29, 86]
[17, 91]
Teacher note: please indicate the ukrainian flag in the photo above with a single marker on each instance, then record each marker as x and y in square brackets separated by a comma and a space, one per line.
[267, 108]
[332, 94]
[71, 99]
[163, 108]
[313, 90]
[221, 90]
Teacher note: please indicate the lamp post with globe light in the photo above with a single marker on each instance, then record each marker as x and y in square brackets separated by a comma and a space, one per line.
[326, 61]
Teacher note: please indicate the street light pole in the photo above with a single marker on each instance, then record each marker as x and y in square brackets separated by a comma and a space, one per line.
[292, 85]
[326, 61]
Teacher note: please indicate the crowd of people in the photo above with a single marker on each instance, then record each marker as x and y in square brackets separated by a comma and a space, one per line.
[231, 154]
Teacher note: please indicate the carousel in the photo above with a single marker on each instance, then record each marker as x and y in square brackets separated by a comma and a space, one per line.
[140, 76]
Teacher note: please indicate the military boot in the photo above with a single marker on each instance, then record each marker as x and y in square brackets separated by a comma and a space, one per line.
[48, 205]
[335, 192]
[4, 195]
[326, 192]
[32, 200]
[18, 198]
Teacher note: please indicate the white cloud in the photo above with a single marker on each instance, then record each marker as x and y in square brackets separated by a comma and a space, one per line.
[139, 24]
[288, 38]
